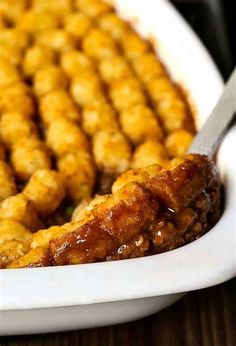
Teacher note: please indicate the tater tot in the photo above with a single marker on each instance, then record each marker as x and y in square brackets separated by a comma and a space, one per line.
[14, 37]
[93, 8]
[79, 173]
[97, 117]
[56, 104]
[34, 22]
[49, 79]
[7, 181]
[45, 190]
[8, 73]
[168, 104]
[111, 151]
[78, 24]
[70, 138]
[111, 23]
[36, 58]
[18, 208]
[75, 62]
[178, 142]
[58, 39]
[29, 155]
[14, 126]
[148, 67]
[161, 89]
[17, 96]
[126, 93]
[172, 113]
[133, 45]
[10, 54]
[114, 68]
[139, 124]
[11, 230]
[86, 88]
[138, 175]
[149, 153]
[15, 241]
[98, 44]
[11, 251]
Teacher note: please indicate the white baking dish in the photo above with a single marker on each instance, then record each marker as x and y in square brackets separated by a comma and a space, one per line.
[80, 296]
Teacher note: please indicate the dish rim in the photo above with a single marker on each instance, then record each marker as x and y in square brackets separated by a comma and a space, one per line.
[147, 276]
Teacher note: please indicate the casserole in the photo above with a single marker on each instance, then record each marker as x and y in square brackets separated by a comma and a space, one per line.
[60, 298]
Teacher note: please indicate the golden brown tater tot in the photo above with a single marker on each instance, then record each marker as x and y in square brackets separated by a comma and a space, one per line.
[75, 62]
[17, 208]
[111, 151]
[86, 88]
[37, 57]
[48, 79]
[97, 117]
[177, 143]
[17, 96]
[126, 93]
[149, 153]
[111, 23]
[29, 155]
[15, 126]
[79, 172]
[45, 190]
[71, 138]
[78, 24]
[57, 39]
[98, 44]
[8, 73]
[133, 45]
[58, 103]
[114, 68]
[139, 124]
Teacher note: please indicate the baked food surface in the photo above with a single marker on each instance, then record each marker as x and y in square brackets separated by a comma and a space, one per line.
[93, 136]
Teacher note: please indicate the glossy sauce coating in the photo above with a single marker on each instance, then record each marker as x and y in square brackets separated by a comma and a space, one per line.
[136, 220]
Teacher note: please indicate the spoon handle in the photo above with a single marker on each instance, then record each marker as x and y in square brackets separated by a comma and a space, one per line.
[210, 136]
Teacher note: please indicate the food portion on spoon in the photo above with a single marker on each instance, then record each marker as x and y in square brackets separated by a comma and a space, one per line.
[150, 211]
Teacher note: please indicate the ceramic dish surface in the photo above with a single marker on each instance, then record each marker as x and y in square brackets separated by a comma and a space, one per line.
[81, 296]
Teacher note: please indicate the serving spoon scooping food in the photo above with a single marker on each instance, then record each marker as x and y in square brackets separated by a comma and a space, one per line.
[208, 139]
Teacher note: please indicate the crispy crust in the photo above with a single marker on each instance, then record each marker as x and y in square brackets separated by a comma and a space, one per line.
[39, 257]
[115, 222]
[182, 180]
[160, 213]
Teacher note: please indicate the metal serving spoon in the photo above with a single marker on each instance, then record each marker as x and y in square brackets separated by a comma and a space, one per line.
[208, 139]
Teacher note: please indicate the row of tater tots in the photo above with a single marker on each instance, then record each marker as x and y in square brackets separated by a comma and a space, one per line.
[29, 159]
